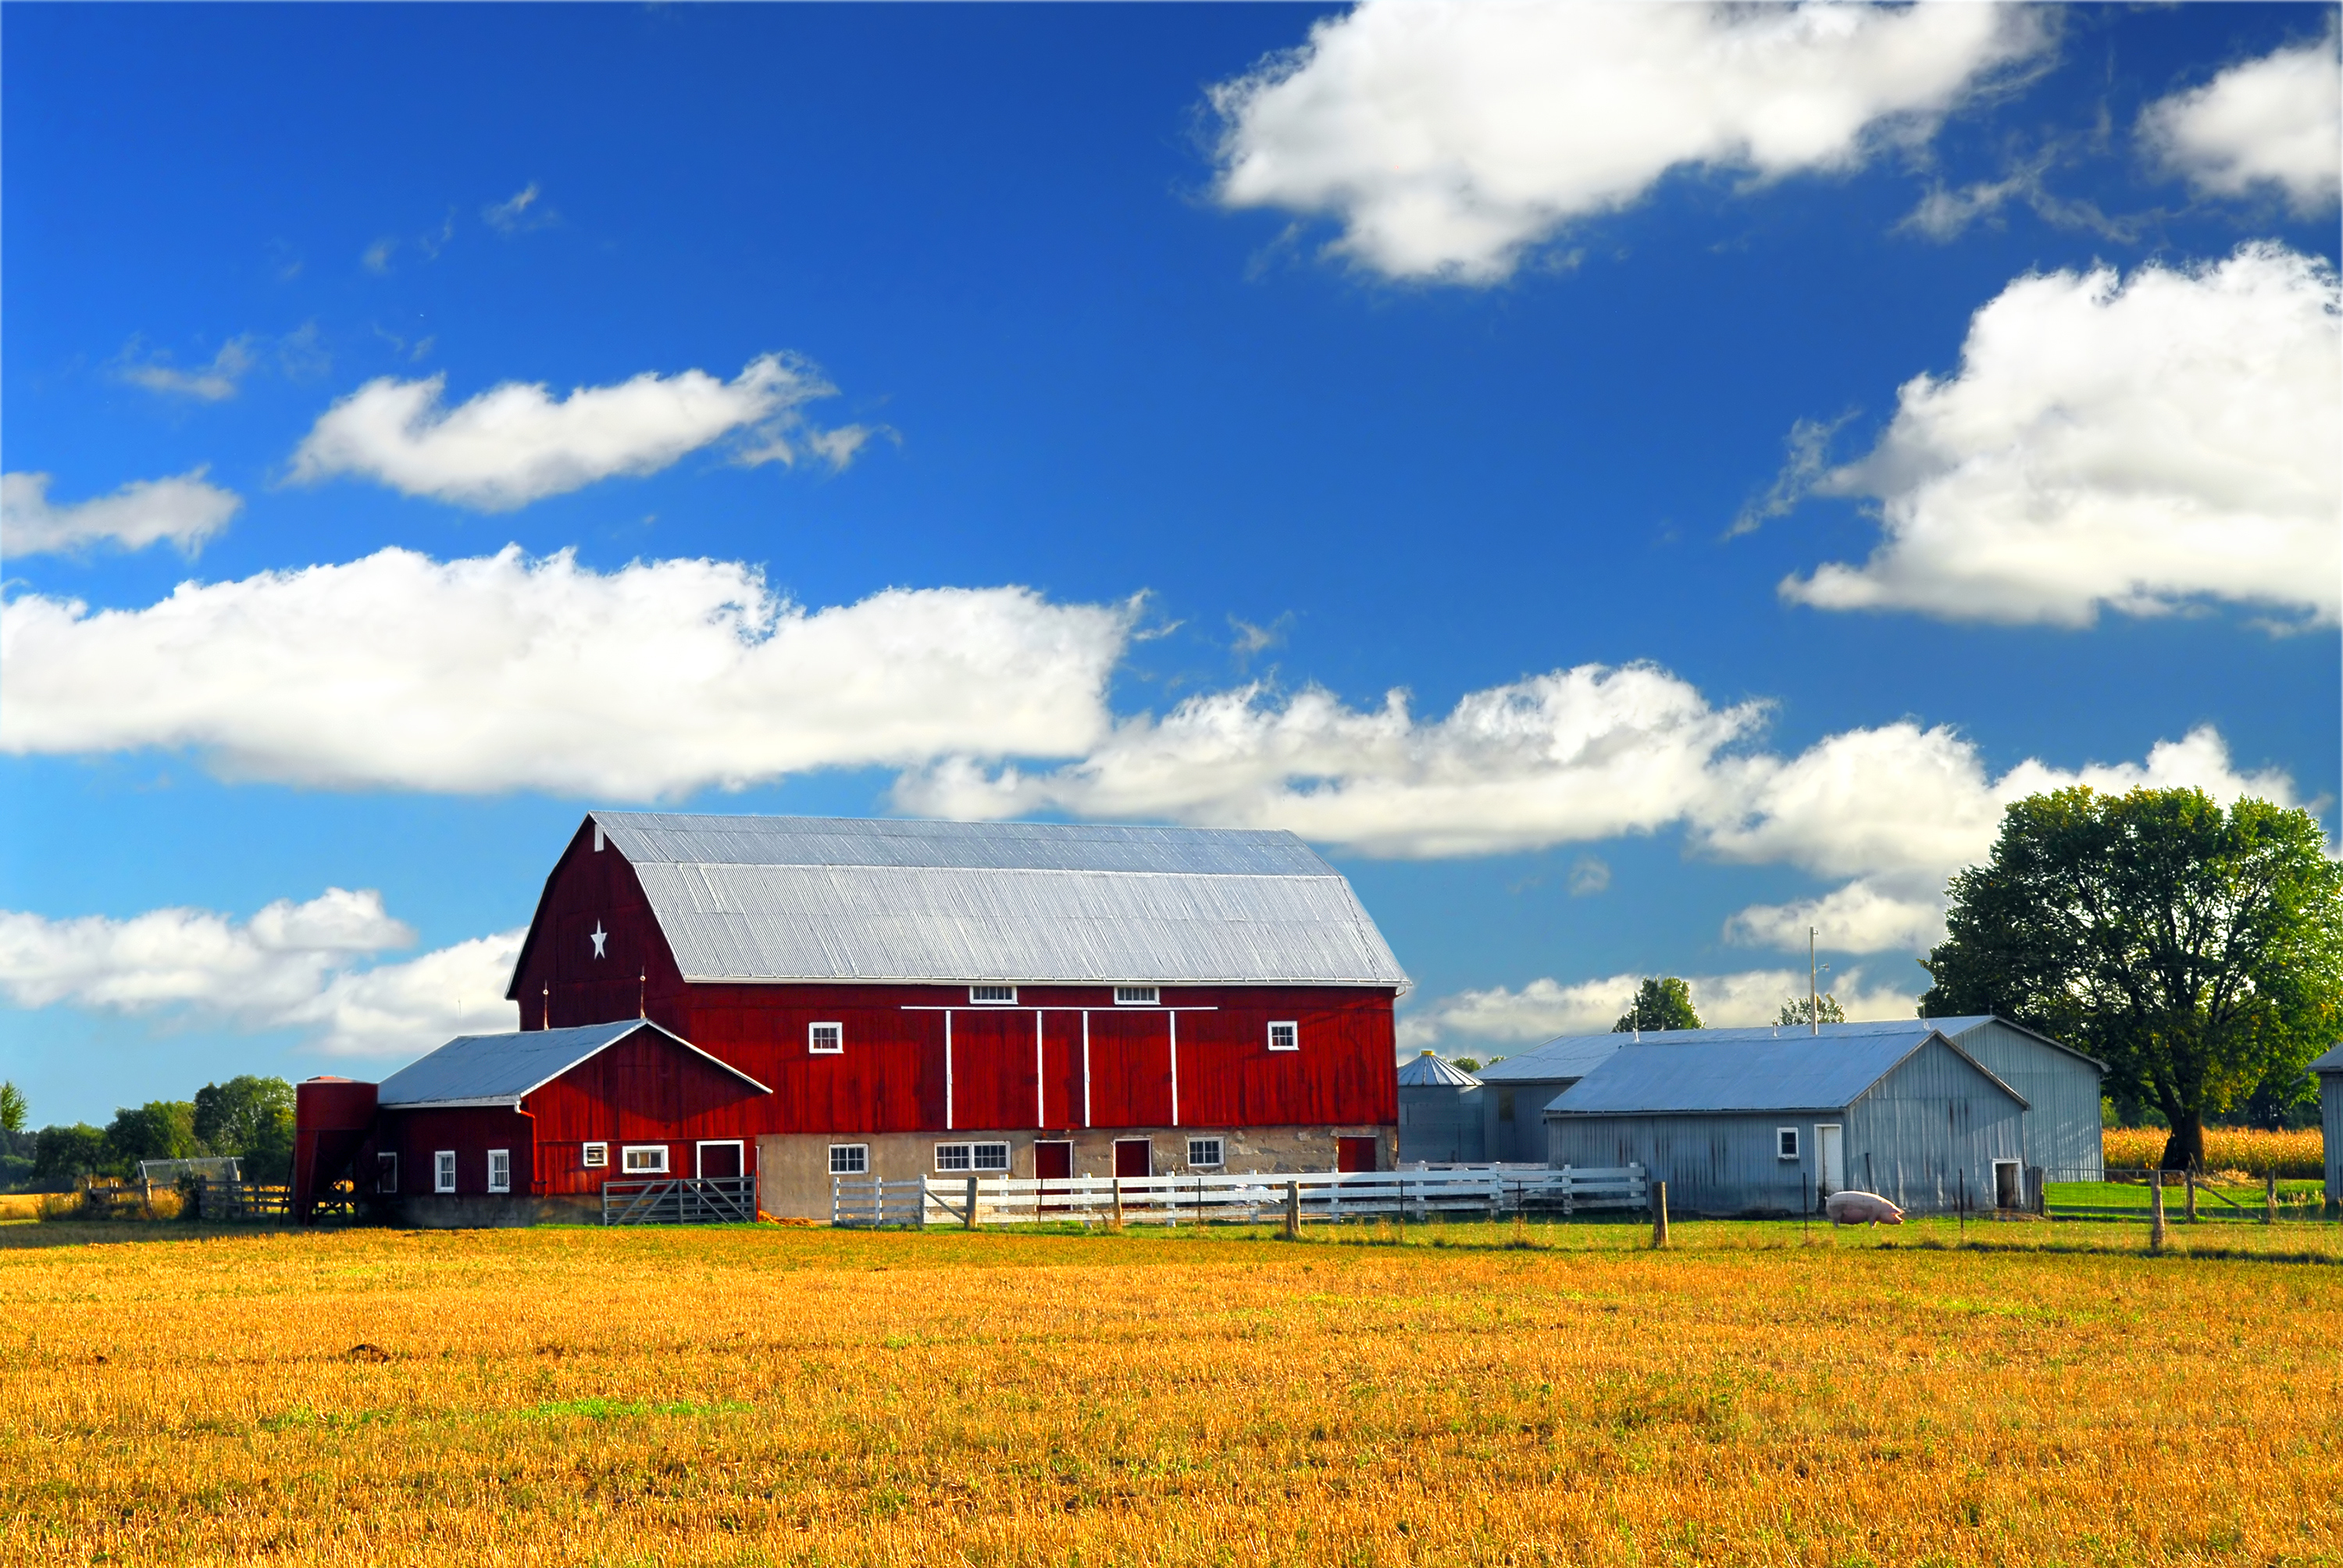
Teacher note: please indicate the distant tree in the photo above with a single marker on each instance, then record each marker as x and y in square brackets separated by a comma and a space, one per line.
[2197, 952]
[67, 1153]
[250, 1117]
[1662, 1003]
[12, 1109]
[1800, 1011]
[1466, 1064]
[158, 1130]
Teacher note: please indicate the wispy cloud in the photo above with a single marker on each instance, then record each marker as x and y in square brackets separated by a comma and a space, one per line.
[183, 510]
[517, 212]
[213, 383]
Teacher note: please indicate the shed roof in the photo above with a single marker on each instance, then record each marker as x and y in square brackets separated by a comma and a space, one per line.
[2330, 1062]
[1693, 1071]
[1570, 1056]
[1430, 1071]
[1573, 1055]
[846, 898]
[503, 1069]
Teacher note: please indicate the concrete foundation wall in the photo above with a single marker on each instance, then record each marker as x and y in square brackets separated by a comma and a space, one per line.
[482, 1212]
[793, 1178]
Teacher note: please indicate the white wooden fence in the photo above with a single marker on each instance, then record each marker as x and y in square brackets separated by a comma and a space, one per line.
[1320, 1196]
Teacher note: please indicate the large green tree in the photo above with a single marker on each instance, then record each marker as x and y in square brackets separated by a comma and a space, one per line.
[158, 1130]
[2197, 952]
[13, 1109]
[250, 1117]
[64, 1154]
[1665, 1002]
[1800, 1011]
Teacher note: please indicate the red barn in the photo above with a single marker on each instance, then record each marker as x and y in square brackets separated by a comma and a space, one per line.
[903, 998]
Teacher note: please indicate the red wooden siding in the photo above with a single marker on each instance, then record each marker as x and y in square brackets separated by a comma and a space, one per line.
[589, 888]
[643, 1089]
[471, 1131]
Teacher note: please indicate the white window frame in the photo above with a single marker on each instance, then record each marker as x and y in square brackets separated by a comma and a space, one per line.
[1787, 1144]
[972, 1159]
[699, 1154]
[1138, 996]
[627, 1152]
[836, 1039]
[597, 1156]
[1007, 996]
[496, 1185]
[443, 1170]
[1217, 1149]
[1293, 1029]
[385, 1172]
[858, 1160]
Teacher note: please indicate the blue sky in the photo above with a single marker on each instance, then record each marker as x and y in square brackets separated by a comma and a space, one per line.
[1090, 412]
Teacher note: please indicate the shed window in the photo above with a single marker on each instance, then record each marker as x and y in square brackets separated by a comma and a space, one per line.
[385, 1173]
[1204, 1152]
[849, 1159]
[972, 1156]
[499, 1169]
[1504, 1105]
[648, 1158]
[1786, 1142]
[825, 1039]
[443, 1170]
[598, 1155]
[1285, 1037]
[1137, 996]
[993, 995]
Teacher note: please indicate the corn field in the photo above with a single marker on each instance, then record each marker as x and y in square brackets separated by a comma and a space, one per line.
[1462, 1394]
[2246, 1150]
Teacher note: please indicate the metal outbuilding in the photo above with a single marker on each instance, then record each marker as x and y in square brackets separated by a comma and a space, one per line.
[1515, 1092]
[1439, 1112]
[2329, 1068]
[1775, 1123]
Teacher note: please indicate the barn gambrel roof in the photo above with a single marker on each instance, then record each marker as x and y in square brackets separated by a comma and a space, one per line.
[811, 899]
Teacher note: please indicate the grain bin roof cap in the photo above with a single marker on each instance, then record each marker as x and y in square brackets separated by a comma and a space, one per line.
[492, 1070]
[833, 900]
[1430, 1071]
[1689, 1071]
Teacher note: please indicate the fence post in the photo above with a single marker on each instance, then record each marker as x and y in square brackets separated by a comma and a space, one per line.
[967, 1220]
[2155, 1211]
[1116, 1223]
[1293, 1210]
[1659, 1214]
[2191, 1175]
[1965, 1199]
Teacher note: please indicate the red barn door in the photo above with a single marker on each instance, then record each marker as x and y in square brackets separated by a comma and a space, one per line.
[1355, 1154]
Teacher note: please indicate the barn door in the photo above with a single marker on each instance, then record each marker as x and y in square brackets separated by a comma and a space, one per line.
[720, 1159]
[1355, 1154]
[1053, 1159]
[1134, 1157]
[1830, 1161]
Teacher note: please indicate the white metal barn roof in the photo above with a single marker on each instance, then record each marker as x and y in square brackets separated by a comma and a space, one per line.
[502, 1069]
[847, 900]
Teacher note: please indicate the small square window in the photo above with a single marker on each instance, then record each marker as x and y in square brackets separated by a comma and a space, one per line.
[385, 1173]
[1285, 1037]
[499, 1169]
[648, 1158]
[1786, 1142]
[825, 1039]
[849, 1159]
[1204, 1152]
[1137, 996]
[443, 1170]
[993, 995]
[972, 1156]
[598, 1155]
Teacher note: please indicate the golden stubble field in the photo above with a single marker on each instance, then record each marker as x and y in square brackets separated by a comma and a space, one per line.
[803, 1396]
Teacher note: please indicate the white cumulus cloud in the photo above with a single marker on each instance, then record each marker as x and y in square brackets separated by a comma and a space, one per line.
[1577, 754]
[516, 443]
[1502, 1016]
[1447, 140]
[2273, 122]
[2135, 443]
[506, 672]
[291, 966]
[183, 510]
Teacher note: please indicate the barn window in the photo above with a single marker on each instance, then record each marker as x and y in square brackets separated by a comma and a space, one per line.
[972, 1156]
[825, 1039]
[499, 1169]
[993, 995]
[1786, 1142]
[1285, 1037]
[849, 1159]
[1204, 1152]
[598, 1155]
[385, 1173]
[648, 1158]
[1137, 996]
[443, 1170]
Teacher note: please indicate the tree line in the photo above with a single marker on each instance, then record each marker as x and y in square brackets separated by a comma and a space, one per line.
[250, 1117]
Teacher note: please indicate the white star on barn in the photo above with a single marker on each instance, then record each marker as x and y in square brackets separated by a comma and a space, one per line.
[600, 937]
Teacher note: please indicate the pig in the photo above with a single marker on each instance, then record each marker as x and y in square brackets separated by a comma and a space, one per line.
[1861, 1209]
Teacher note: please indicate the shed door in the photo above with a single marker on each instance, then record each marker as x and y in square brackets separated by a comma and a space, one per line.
[1355, 1154]
[1830, 1161]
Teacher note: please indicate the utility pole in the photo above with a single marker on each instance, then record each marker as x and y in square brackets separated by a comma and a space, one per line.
[1814, 987]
